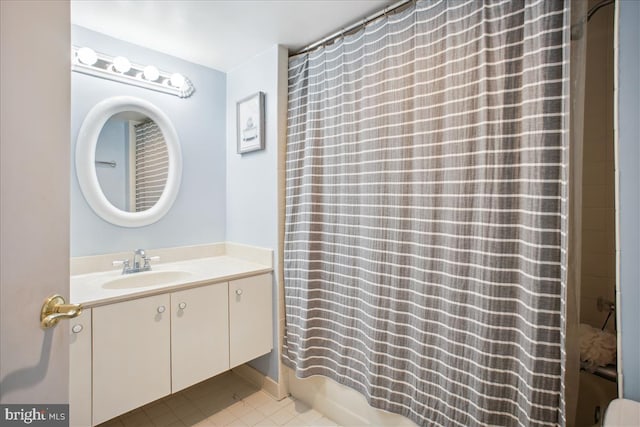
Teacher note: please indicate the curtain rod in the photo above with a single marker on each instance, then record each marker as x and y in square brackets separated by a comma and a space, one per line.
[356, 25]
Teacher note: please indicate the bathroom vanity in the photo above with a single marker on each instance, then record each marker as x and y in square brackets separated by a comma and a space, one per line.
[146, 335]
[148, 328]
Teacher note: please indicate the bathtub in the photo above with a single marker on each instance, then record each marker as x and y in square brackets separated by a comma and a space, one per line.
[594, 395]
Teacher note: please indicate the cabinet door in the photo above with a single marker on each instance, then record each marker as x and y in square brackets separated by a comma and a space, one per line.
[131, 355]
[250, 318]
[80, 370]
[199, 334]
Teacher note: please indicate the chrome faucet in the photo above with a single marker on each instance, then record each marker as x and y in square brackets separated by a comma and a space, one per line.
[141, 262]
[139, 256]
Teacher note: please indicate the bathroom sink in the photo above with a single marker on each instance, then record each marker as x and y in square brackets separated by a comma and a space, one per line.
[147, 278]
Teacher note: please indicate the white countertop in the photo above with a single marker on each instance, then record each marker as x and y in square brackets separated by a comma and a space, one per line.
[90, 290]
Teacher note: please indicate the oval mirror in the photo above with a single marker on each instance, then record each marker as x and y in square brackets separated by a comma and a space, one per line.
[128, 161]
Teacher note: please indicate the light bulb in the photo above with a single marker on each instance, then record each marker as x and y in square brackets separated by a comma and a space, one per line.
[87, 56]
[177, 80]
[151, 73]
[121, 64]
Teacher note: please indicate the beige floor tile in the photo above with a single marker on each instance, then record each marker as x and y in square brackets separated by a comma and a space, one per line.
[268, 409]
[185, 410]
[325, 422]
[195, 393]
[239, 409]
[266, 422]
[243, 390]
[112, 423]
[193, 418]
[310, 416]
[290, 407]
[237, 423]
[274, 406]
[176, 400]
[298, 407]
[135, 419]
[282, 416]
[156, 409]
[252, 418]
[210, 407]
[296, 422]
[208, 413]
[165, 420]
[258, 399]
[204, 423]
[226, 400]
[223, 417]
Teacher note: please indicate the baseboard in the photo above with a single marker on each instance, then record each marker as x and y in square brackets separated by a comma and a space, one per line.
[257, 378]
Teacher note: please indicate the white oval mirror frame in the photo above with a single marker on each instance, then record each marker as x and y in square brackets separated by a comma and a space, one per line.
[86, 157]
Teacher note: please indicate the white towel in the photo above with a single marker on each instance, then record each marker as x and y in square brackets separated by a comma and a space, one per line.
[597, 348]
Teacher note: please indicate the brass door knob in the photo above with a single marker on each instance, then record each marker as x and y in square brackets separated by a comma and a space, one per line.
[54, 308]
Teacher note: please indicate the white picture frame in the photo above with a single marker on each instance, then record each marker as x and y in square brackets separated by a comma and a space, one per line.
[250, 123]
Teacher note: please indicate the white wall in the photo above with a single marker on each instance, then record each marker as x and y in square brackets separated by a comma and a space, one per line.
[34, 207]
[628, 111]
[253, 183]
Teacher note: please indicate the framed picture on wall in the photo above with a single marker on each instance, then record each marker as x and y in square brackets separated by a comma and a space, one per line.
[250, 123]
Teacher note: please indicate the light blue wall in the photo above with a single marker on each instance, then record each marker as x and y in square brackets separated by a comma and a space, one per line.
[252, 178]
[113, 146]
[198, 214]
[629, 193]
[223, 196]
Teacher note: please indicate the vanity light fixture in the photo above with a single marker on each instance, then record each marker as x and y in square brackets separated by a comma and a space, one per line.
[121, 64]
[120, 69]
[150, 73]
[177, 80]
[87, 56]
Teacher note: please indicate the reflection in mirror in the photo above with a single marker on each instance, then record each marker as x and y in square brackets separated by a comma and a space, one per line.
[154, 161]
[131, 161]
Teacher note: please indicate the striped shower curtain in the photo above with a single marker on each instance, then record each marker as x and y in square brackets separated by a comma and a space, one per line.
[426, 224]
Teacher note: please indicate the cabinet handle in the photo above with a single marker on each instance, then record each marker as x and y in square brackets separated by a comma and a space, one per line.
[161, 309]
[76, 329]
[238, 291]
[182, 305]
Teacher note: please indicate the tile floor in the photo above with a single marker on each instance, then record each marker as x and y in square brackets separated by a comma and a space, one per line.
[225, 400]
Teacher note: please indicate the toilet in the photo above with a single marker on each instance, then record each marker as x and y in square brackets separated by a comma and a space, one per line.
[622, 413]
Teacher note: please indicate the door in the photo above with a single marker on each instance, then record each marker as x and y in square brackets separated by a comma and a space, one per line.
[34, 198]
[131, 355]
[199, 335]
[250, 319]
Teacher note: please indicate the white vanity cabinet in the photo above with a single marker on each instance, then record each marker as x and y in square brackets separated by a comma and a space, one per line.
[80, 370]
[250, 318]
[199, 335]
[131, 355]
